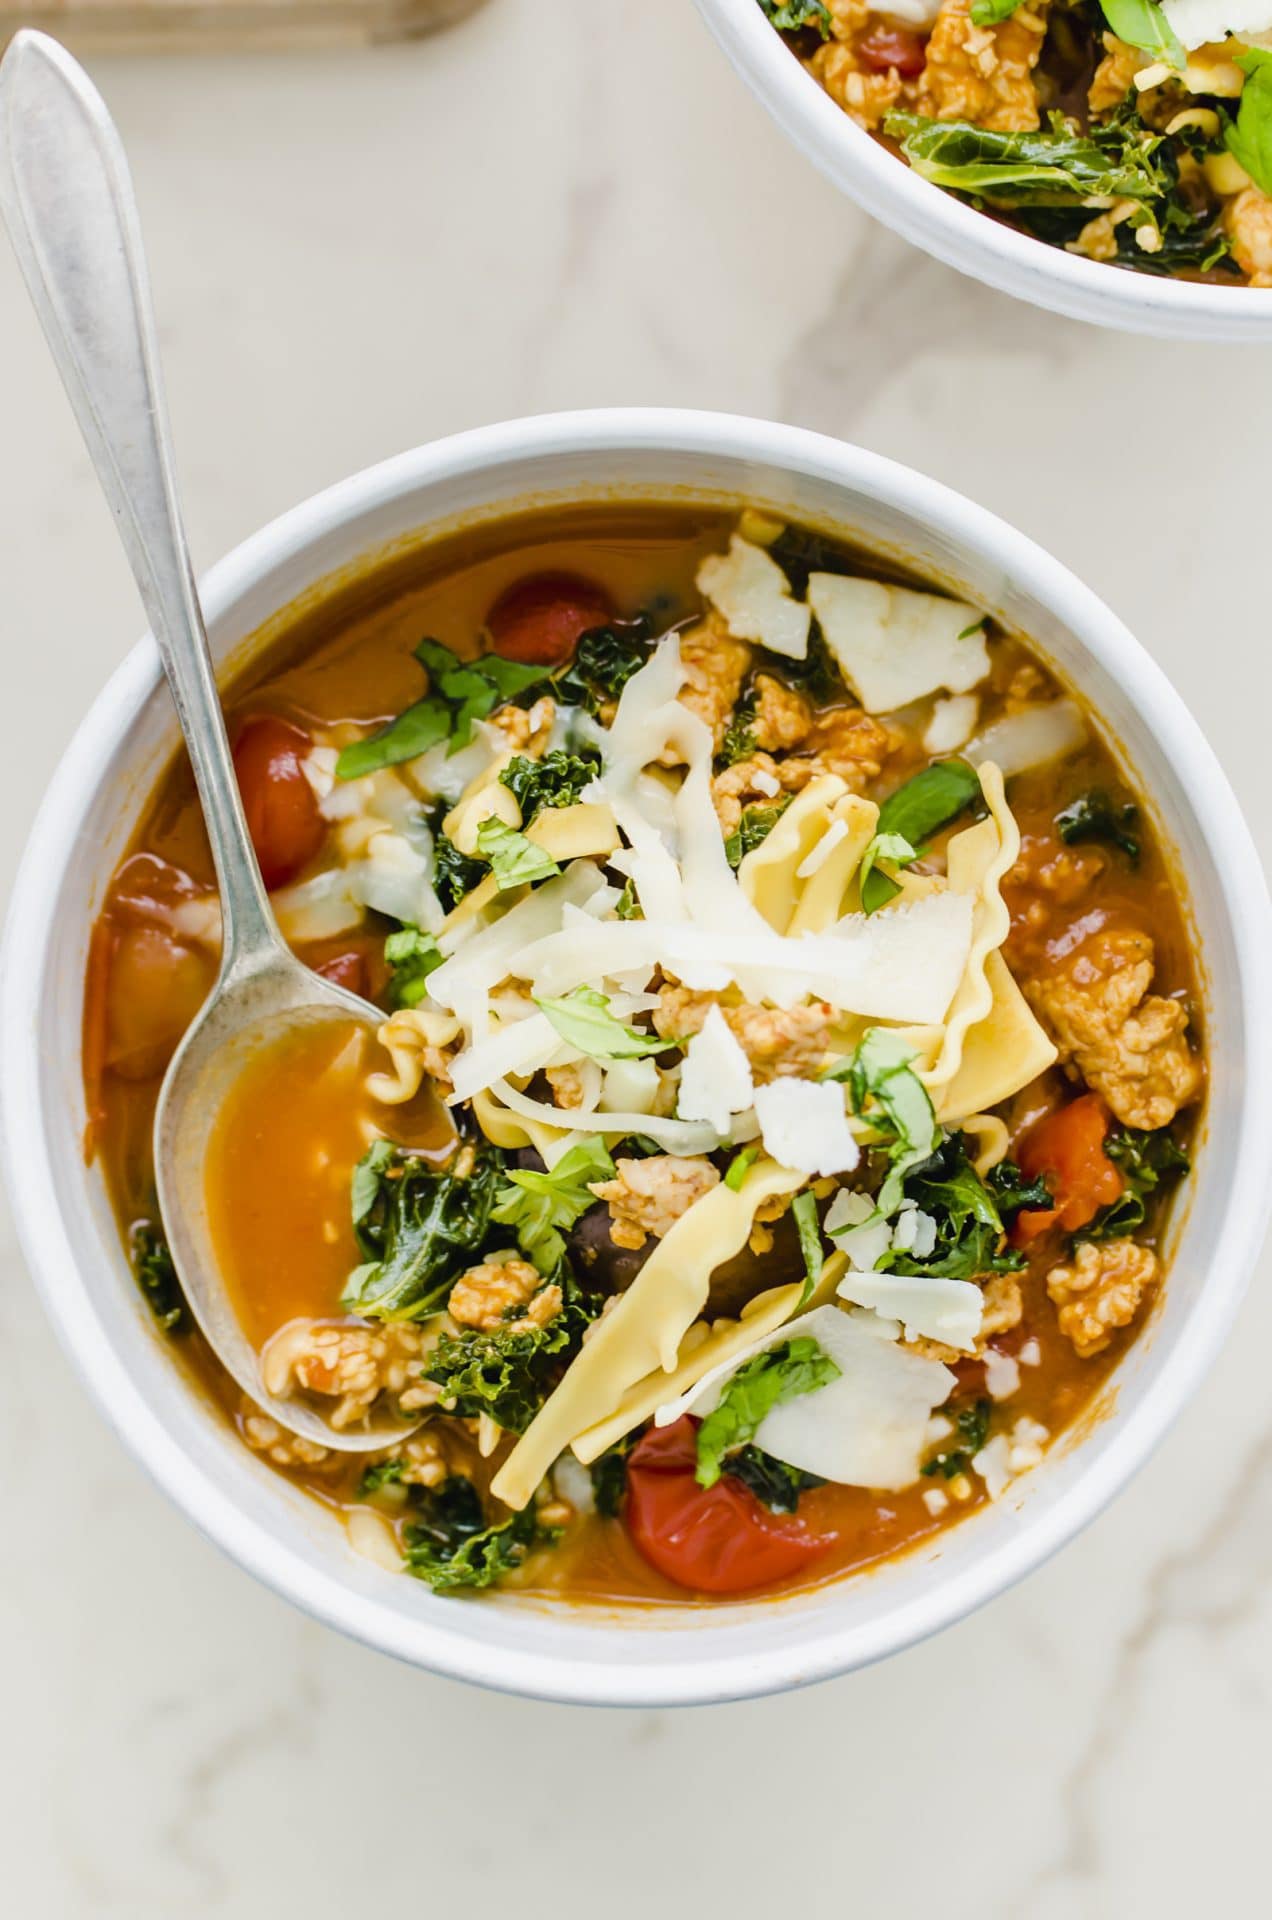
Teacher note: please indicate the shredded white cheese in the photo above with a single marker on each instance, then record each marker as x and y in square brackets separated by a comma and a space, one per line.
[950, 1311]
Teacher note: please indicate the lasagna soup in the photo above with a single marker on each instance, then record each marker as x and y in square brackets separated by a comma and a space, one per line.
[790, 1052]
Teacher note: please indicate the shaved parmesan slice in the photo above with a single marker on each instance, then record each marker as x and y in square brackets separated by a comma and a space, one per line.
[853, 1223]
[804, 1125]
[319, 768]
[675, 1136]
[1031, 738]
[869, 1427]
[715, 1081]
[814, 861]
[748, 587]
[442, 775]
[1197, 22]
[950, 1311]
[952, 724]
[895, 645]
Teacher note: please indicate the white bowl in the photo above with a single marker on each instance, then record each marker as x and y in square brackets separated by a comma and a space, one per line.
[666, 1655]
[957, 234]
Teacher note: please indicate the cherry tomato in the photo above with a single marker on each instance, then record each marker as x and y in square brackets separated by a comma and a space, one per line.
[154, 986]
[538, 620]
[281, 806]
[884, 48]
[718, 1539]
[348, 970]
[1067, 1150]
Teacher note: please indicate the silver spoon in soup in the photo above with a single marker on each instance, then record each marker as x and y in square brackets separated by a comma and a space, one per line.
[273, 1037]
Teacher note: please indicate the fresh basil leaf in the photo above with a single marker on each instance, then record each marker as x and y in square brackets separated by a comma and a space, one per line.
[1249, 137]
[542, 1207]
[876, 887]
[763, 1382]
[929, 800]
[987, 13]
[1141, 23]
[413, 732]
[514, 860]
[411, 955]
[584, 1019]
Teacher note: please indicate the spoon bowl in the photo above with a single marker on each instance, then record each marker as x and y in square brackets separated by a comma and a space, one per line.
[68, 203]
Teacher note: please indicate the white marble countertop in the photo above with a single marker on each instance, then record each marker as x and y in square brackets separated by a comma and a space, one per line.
[561, 203]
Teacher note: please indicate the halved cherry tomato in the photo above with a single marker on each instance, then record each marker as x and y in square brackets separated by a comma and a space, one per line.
[281, 806]
[538, 620]
[1066, 1149]
[718, 1539]
[348, 970]
[884, 48]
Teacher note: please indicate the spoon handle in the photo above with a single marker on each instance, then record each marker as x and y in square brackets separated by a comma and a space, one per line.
[68, 203]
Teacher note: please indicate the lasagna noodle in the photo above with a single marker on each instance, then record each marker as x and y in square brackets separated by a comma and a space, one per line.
[645, 1330]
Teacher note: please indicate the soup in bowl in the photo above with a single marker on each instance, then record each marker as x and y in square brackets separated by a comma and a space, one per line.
[772, 1202]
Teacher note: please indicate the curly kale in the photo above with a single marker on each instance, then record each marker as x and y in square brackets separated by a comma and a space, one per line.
[971, 1423]
[157, 1277]
[556, 780]
[1056, 167]
[1094, 816]
[1145, 1160]
[454, 873]
[752, 829]
[773, 1483]
[609, 1476]
[793, 16]
[417, 1225]
[604, 661]
[453, 1545]
[509, 1371]
[739, 738]
[970, 1215]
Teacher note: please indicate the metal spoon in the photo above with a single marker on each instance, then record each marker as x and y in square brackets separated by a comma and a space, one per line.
[68, 202]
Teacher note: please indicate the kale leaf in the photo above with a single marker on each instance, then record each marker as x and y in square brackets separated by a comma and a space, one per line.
[972, 1426]
[1013, 1193]
[381, 1474]
[739, 736]
[454, 873]
[791, 16]
[1093, 816]
[609, 1477]
[1118, 157]
[452, 1545]
[969, 1220]
[157, 1277]
[411, 956]
[752, 829]
[773, 1483]
[765, 1381]
[509, 1371]
[417, 1225]
[555, 781]
[460, 693]
[1145, 1159]
[604, 661]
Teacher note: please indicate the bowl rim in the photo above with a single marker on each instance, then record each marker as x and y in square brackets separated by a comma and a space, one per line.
[34, 1181]
[974, 243]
